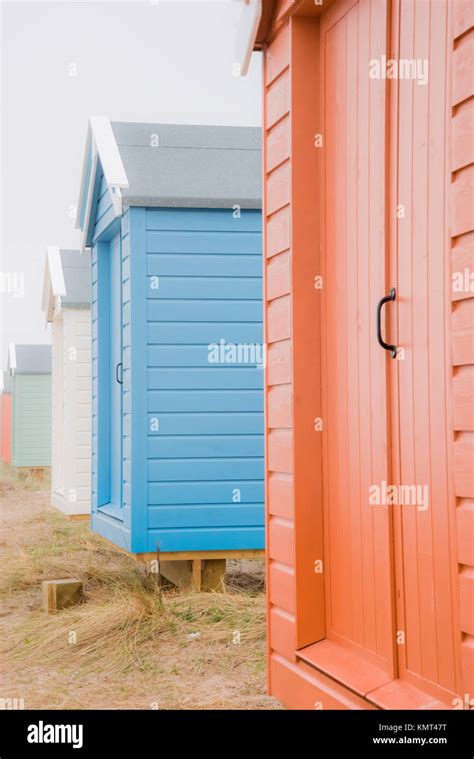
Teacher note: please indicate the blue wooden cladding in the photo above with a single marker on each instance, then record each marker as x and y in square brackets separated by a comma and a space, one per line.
[177, 375]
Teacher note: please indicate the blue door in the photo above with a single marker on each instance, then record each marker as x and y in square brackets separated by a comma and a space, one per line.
[115, 373]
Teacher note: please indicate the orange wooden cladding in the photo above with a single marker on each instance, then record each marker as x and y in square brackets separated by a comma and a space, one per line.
[369, 606]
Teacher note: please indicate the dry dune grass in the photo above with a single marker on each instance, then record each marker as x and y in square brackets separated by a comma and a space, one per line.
[130, 644]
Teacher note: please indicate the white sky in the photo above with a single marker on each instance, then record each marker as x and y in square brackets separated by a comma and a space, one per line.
[146, 60]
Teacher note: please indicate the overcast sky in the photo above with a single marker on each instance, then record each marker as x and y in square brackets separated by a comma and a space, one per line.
[164, 61]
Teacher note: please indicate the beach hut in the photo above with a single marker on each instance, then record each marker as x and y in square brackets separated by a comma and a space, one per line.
[369, 317]
[66, 303]
[172, 216]
[29, 367]
[6, 418]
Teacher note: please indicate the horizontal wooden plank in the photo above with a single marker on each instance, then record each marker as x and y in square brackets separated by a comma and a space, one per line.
[175, 310]
[283, 633]
[278, 237]
[203, 334]
[463, 385]
[463, 267]
[277, 56]
[462, 76]
[278, 279]
[200, 538]
[280, 495]
[199, 423]
[462, 201]
[205, 288]
[205, 446]
[466, 600]
[279, 362]
[224, 515]
[205, 400]
[278, 99]
[280, 406]
[463, 468]
[462, 136]
[182, 493]
[300, 686]
[277, 144]
[279, 319]
[203, 355]
[462, 17]
[194, 220]
[281, 541]
[465, 532]
[204, 243]
[280, 451]
[278, 188]
[282, 586]
[463, 333]
[181, 470]
[190, 555]
[195, 264]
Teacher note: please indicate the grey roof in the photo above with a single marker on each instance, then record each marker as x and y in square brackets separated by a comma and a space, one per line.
[191, 166]
[33, 359]
[7, 382]
[77, 278]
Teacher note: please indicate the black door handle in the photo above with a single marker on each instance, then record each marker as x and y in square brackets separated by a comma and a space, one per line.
[392, 348]
[120, 381]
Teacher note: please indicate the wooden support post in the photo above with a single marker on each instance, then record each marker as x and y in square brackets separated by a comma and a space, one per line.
[213, 575]
[59, 594]
[195, 574]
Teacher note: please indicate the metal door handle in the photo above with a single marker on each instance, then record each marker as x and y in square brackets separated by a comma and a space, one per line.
[392, 348]
[120, 381]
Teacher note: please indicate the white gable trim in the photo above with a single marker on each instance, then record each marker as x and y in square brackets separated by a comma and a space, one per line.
[102, 144]
[54, 286]
[247, 33]
[107, 148]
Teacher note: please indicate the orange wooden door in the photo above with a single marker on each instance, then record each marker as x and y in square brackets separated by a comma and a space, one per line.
[389, 566]
[425, 554]
[358, 544]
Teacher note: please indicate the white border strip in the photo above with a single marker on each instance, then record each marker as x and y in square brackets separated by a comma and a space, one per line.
[247, 33]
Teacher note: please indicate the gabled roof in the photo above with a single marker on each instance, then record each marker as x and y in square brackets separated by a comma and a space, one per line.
[29, 359]
[66, 280]
[169, 165]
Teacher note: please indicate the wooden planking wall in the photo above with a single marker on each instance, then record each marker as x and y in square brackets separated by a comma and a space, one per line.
[32, 420]
[57, 423]
[76, 356]
[294, 537]
[277, 326]
[462, 245]
[205, 422]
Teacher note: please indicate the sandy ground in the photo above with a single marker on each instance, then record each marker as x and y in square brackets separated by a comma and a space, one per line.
[128, 649]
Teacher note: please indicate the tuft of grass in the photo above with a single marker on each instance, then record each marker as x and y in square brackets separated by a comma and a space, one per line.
[130, 643]
[125, 614]
[13, 480]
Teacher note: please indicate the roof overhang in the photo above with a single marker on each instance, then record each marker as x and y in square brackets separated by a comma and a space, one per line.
[272, 14]
[101, 146]
[54, 286]
[247, 30]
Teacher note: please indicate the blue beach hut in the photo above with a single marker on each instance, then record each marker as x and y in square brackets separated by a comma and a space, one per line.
[172, 215]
